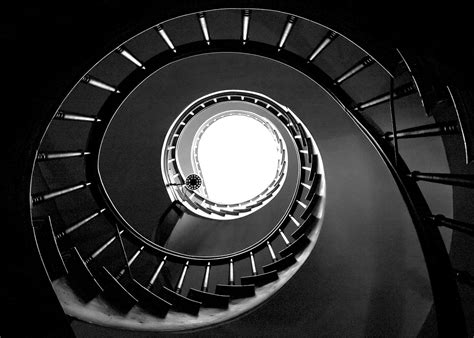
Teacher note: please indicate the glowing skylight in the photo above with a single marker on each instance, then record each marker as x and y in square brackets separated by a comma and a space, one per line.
[238, 157]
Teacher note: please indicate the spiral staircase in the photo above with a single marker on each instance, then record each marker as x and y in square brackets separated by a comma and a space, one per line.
[107, 270]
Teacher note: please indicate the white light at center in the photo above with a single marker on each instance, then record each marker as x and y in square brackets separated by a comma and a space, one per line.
[238, 156]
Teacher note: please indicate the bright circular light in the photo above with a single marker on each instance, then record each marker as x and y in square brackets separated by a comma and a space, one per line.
[239, 158]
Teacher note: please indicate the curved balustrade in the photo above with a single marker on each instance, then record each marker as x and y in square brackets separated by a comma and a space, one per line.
[170, 284]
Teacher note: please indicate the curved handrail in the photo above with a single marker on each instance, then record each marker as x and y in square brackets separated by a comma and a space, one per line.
[446, 300]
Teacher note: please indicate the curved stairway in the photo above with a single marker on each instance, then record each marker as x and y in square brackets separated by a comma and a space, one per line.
[101, 263]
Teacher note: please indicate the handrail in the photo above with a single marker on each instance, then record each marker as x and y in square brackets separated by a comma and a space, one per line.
[430, 240]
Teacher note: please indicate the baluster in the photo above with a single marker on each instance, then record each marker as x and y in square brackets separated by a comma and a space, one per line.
[282, 234]
[205, 280]
[278, 264]
[79, 223]
[252, 263]
[153, 278]
[302, 204]
[205, 31]
[130, 262]
[256, 278]
[466, 181]
[129, 56]
[272, 253]
[65, 115]
[147, 299]
[294, 220]
[231, 272]
[359, 66]
[286, 31]
[453, 224]
[330, 37]
[99, 84]
[399, 92]
[206, 298]
[179, 286]
[45, 156]
[165, 37]
[435, 129]
[232, 290]
[102, 248]
[42, 197]
[245, 25]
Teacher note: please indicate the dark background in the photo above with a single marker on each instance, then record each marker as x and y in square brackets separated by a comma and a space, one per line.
[46, 47]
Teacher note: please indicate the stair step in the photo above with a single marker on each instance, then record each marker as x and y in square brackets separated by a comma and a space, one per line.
[314, 187]
[180, 302]
[149, 301]
[295, 247]
[310, 150]
[236, 291]
[260, 279]
[280, 264]
[305, 227]
[81, 278]
[310, 208]
[49, 250]
[115, 293]
[314, 166]
[209, 299]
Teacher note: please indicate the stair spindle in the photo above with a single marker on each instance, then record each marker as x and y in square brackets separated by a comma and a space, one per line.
[435, 129]
[252, 263]
[282, 234]
[272, 253]
[165, 37]
[245, 25]
[359, 66]
[99, 84]
[69, 116]
[466, 181]
[156, 273]
[205, 280]
[204, 29]
[453, 224]
[130, 262]
[179, 286]
[129, 56]
[330, 37]
[102, 248]
[231, 272]
[286, 31]
[398, 93]
[42, 197]
[79, 223]
[46, 156]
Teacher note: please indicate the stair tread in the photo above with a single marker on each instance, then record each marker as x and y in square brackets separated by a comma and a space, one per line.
[260, 279]
[115, 293]
[180, 302]
[236, 291]
[280, 264]
[310, 207]
[296, 246]
[305, 227]
[49, 249]
[148, 300]
[81, 278]
[314, 187]
[209, 299]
